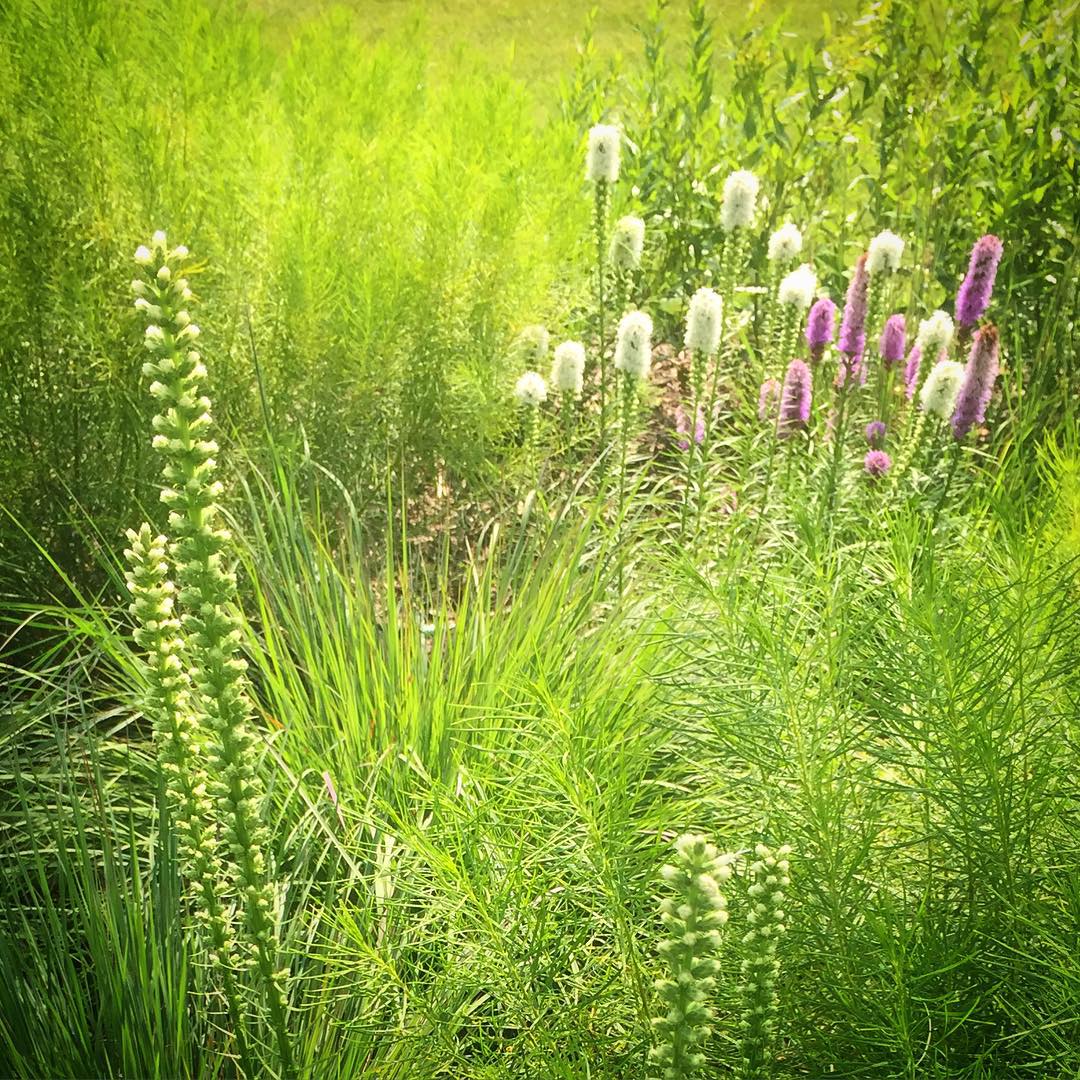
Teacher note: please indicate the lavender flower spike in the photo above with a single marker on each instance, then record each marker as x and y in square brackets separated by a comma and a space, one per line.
[877, 463]
[974, 295]
[892, 341]
[978, 385]
[911, 371]
[875, 434]
[819, 327]
[794, 400]
[768, 400]
[682, 428]
[853, 325]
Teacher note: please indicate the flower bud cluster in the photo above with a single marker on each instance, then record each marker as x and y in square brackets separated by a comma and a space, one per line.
[768, 875]
[692, 917]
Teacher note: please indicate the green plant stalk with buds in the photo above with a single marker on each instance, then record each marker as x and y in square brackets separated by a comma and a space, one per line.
[207, 587]
[692, 918]
[600, 215]
[697, 384]
[760, 968]
[180, 743]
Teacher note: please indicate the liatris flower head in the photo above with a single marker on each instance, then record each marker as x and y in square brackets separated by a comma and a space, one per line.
[884, 253]
[853, 325]
[935, 333]
[797, 288]
[682, 428]
[143, 255]
[530, 389]
[532, 345]
[633, 344]
[768, 402]
[911, 371]
[602, 159]
[876, 463]
[978, 385]
[568, 368]
[794, 400]
[785, 244]
[974, 295]
[819, 327]
[703, 322]
[627, 243]
[893, 340]
[875, 433]
[939, 392]
[739, 202]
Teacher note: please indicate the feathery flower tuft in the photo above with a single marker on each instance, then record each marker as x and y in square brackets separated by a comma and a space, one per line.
[853, 325]
[797, 288]
[633, 344]
[893, 340]
[974, 295]
[935, 333]
[768, 402]
[942, 386]
[692, 917]
[739, 203]
[568, 368]
[785, 244]
[627, 243]
[820, 324]
[602, 159]
[884, 253]
[875, 433]
[703, 321]
[876, 463]
[530, 389]
[978, 385]
[794, 400]
[768, 923]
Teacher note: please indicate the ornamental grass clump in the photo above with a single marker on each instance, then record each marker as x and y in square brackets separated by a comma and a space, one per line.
[761, 965]
[206, 589]
[692, 917]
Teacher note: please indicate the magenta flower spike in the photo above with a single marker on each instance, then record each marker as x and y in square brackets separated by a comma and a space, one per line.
[892, 341]
[768, 401]
[852, 342]
[794, 400]
[819, 327]
[974, 296]
[978, 384]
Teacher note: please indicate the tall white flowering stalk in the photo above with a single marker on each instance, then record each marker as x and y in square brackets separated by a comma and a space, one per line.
[206, 593]
[568, 379]
[627, 245]
[704, 326]
[602, 170]
[181, 744]
[937, 399]
[935, 335]
[633, 358]
[794, 295]
[692, 917]
[530, 392]
[785, 246]
[761, 966]
[883, 257]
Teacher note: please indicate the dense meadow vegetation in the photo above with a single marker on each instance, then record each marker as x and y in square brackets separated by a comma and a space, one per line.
[564, 577]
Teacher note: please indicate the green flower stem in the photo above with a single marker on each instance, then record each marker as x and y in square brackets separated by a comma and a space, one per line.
[207, 587]
[179, 746]
[600, 214]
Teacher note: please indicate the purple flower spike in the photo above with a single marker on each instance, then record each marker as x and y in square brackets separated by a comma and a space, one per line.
[682, 428]
[852, 341]
[819, 327]
[768, 400]
[892, 341]
[794, 400]
[875, 434]
[877, 463]
[974, 295]
[978, 385]
[911, 371]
